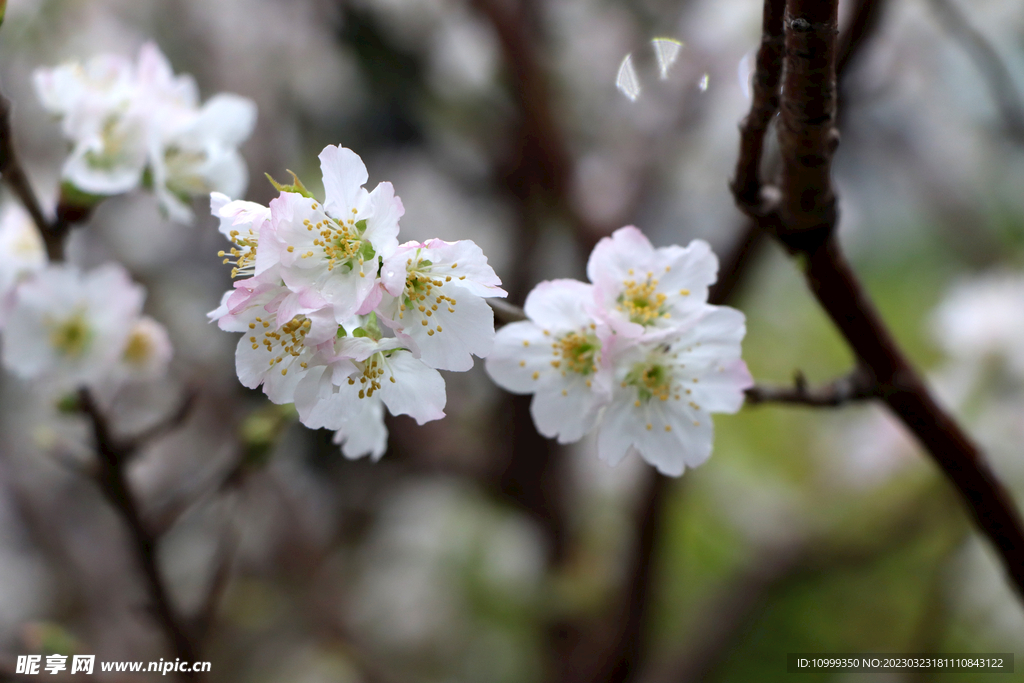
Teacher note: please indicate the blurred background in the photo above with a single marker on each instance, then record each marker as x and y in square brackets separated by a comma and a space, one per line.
[475, 550]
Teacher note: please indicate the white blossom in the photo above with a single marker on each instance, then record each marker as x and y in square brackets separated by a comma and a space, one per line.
[435, 303]
[130, 124]
[643, 290]
[69, 326]
[146, 353]
[556, 355]
[22, 253]
[332, 250]
[666, 390]
[348, 392]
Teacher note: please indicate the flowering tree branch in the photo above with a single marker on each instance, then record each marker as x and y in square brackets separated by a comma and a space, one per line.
[801, 214]
[113, 453]
[858, 385]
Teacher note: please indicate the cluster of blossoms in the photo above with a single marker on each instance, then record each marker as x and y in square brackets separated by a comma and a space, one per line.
[70, 328]
[639, 354]
[319, 284]
[139, 124]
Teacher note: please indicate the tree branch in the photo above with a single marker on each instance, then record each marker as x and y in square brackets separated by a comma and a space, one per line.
[113, 455]
[855, 386]
[764, 104]
[802, 215]
[53, 232]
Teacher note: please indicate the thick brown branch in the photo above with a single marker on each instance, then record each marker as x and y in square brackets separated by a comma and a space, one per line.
[764, 105]
[807, 135]
[856, 386]
[804, 219]
[988, 62]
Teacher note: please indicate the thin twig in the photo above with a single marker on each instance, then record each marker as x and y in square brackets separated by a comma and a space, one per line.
[506, 313]
[764, 103]
[168, 424]
[993, 69]
[52, 232]
[111, 477]
[855, 386]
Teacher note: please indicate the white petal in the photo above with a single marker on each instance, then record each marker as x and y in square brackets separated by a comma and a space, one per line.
[418, 391]
[467, 332]
[344, 174]
[365, 433]
[560, 304]
[382, 222]
[567, 416]
[227, 118]
[521, 355]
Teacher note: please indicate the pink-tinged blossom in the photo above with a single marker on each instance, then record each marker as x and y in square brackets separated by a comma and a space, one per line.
[434, 301]
[556, 355]
[349, 391]
[70, 326]
[22, 253]
[334, 249]
[275, 349]
[242, 222]
[642, 290]
[666, 390]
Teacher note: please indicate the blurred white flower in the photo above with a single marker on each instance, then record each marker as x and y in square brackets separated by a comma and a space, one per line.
[146, 353]
[984, 318]
[139, 124]
[69, 326]
[22, 252]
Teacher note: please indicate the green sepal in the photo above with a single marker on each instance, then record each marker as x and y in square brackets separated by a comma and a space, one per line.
[370, 328]
[72, 196]
[297, 187]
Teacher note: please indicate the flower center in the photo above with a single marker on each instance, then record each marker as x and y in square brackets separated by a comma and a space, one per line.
[139, 348]
[71, 336]
[242, 255]
[285, 342]
[423, 292]
[342, 241]
[652, 380]
[578, 353]
[372, 370]
[641, 301]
